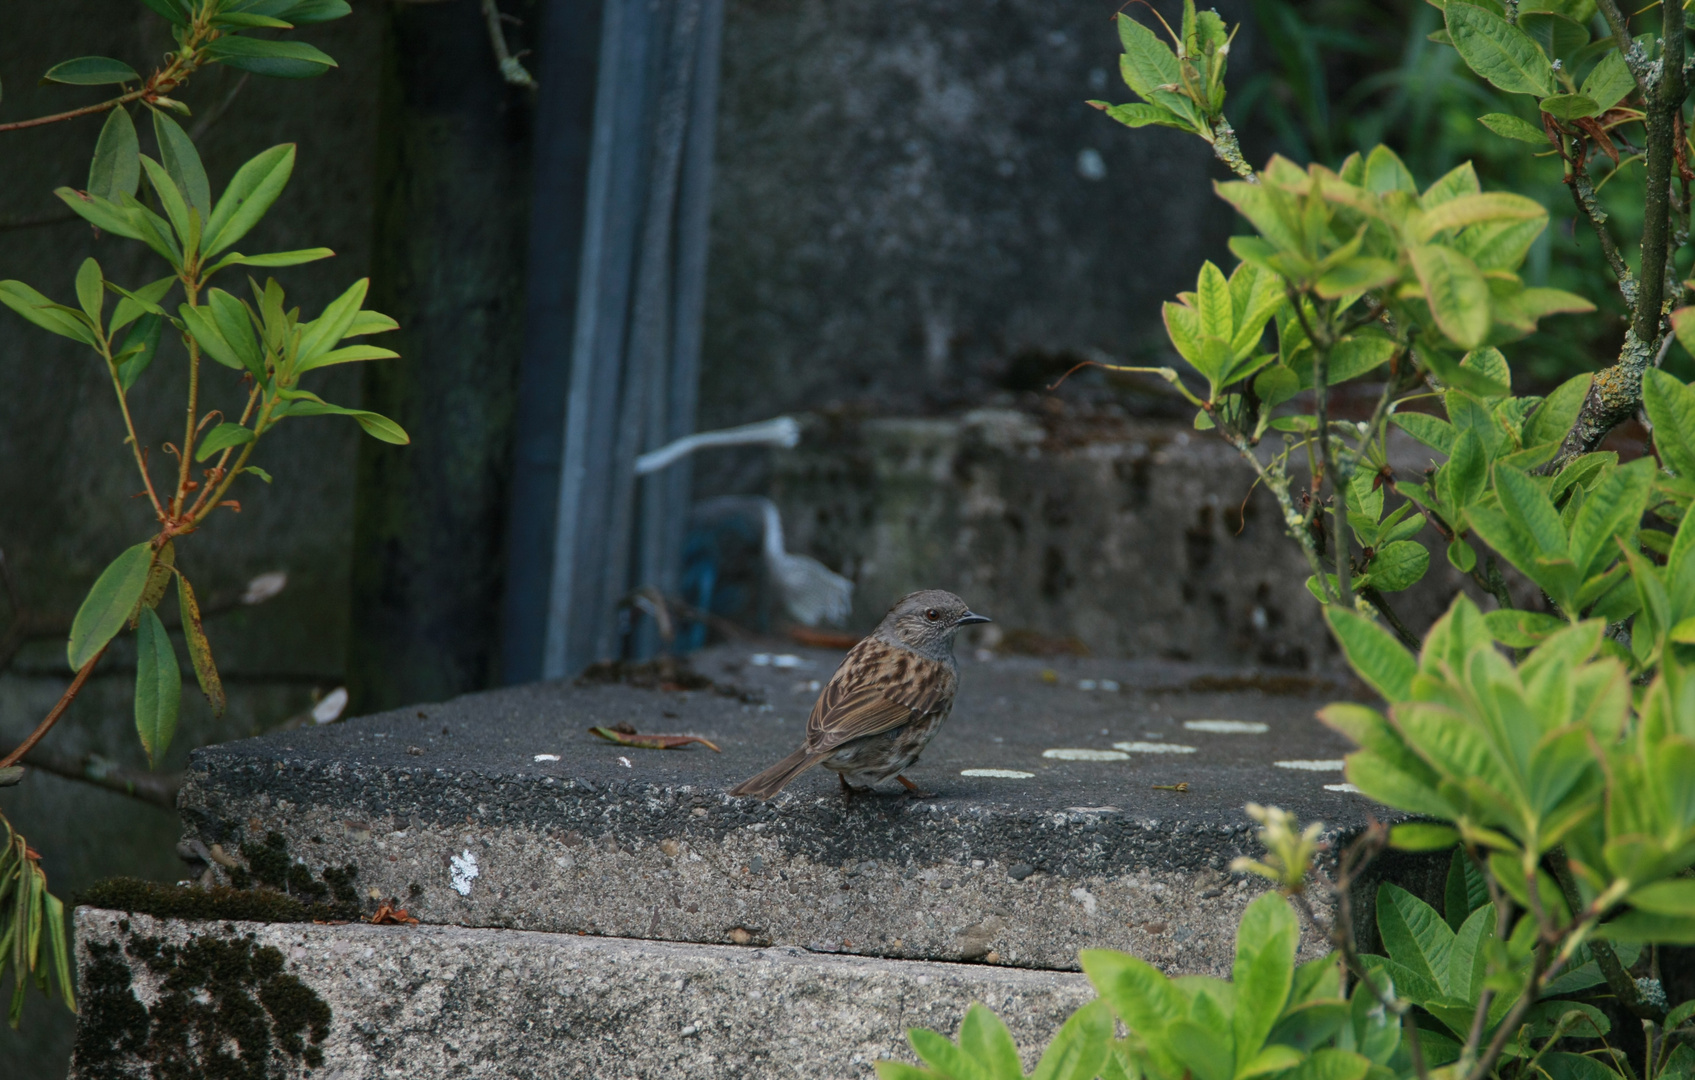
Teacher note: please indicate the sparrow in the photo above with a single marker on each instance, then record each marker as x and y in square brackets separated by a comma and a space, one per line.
[884, 703]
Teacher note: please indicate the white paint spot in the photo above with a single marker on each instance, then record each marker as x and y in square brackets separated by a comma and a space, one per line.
[1346, 788]
[760, 659]
[624, 761]
[1086, 898]
[464, 868]
[1227, 727]
[1080, 754]
[547, 757]
[787, 660]
[1086, 684]
[1109, 685]
[265, 586]
[1154, 747]
[330, 708]
[998, 774]
[1326, 765]
[1090, 164]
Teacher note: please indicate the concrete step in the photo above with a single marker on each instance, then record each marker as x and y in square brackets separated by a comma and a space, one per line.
[357, 1001]
[462, 813]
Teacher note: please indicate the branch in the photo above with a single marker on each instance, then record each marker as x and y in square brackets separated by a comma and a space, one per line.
[86, 110]
[1618, 980]
[1589, 205]
[160, 789]
[1615, 393]
[1228, 150]
[1377, 600]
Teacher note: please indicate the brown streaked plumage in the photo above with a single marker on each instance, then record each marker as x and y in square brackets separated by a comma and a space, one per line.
[884, 703]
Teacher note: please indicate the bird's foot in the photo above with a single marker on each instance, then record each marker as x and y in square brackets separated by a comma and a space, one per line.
[848, 790]
[914, 790]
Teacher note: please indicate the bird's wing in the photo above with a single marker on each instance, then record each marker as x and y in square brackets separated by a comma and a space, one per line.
[877, 688]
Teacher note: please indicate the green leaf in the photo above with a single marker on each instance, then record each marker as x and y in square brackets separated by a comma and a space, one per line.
[1202, 1049]
[116, 168]
[1414, 934]
[1613, 508]
[1649, 928]
[1081, 1047]
[376, 425]
[1357, 275]
[91, 71]
[200, 326]
[1461, 556]
[1432, 431]
[346, 355]
[172, 201]
[1672, 897]
[900, 1070]
[1456, 291]
[236, 328]
[307, 12]
[1669, 403]
[199, 649]
[100, 212]
[244, 21]
[1386, 172]
[1528, 508]
[1559, 37]
[1468, 960]
[1398, 565]
[91, 291]
[1381, 661]
[1148, 63]
[182, 162]
[139, 348]
[1275, 385]
[1466, 472]
[257, 471]
[1142, 114]
[1570, 106]
[1509, 126]
[222, 437]
[1460, 180]
[941, 1054]
[1423, 836]
[1498, 51]
[1142, 997]
[144, 300]
[275, 258]
[1558, 411]
[1610, 82]
[251, 192]
[277, 59]
[1476, 209]
[1263, 972]
[1465, 892]
[176, 11]
[322, 333]
[1522, 629]
[44, 312]
[158, 686]
[1489, 363]
[985, 1039]
[109, 603]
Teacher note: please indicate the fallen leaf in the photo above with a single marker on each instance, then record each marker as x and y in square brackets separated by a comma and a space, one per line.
[651, 742]
[389, 915]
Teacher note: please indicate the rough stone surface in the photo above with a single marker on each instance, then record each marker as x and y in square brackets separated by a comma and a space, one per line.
[908, 199]
[425, 1002]
[1141, 538]
[447, 808]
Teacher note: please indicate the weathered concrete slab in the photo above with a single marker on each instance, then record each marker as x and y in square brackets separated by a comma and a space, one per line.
[460, 811]
[356, 1001]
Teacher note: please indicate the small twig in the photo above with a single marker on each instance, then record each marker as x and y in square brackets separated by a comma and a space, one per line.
[510, 68]
[210, 116]
[1377, 600]
[59, 708]
[72, 114]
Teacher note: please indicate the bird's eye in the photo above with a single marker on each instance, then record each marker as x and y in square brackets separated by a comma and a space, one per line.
[932, 614]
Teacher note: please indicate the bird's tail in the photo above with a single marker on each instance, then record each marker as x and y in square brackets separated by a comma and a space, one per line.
[777, 777]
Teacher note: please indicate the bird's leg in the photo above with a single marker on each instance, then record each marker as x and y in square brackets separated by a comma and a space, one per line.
[914, 790]
[848, 790]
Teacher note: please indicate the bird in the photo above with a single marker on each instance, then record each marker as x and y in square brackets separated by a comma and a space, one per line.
[885, 702]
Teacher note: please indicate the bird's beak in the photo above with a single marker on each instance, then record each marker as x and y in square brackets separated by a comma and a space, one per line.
[971, 617]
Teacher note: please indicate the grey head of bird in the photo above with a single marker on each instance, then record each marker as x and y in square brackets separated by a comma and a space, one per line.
[926, 621]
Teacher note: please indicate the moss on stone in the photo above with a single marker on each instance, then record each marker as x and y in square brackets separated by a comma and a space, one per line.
[225, 1010]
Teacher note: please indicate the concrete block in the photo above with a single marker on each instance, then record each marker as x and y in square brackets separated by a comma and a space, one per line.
[359, 1002]
[1049, 833]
